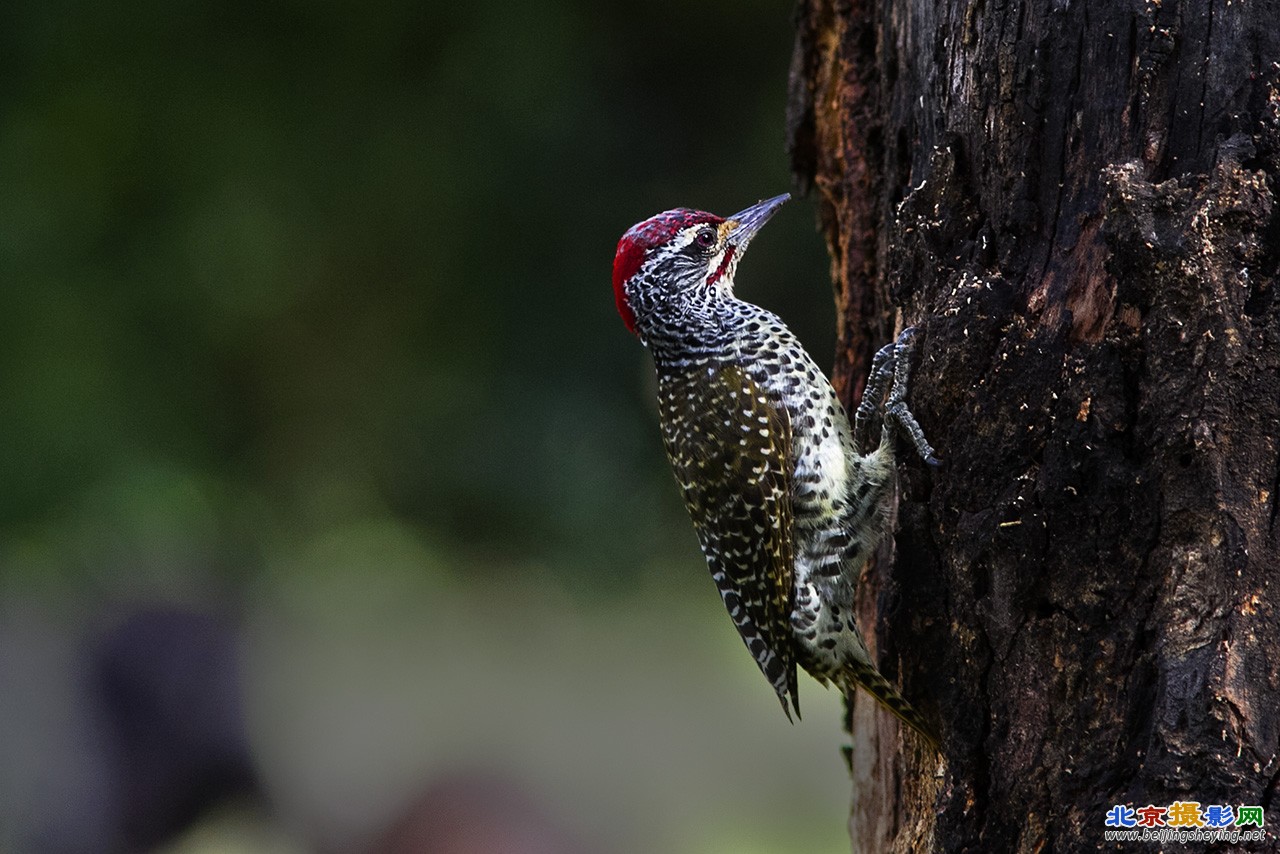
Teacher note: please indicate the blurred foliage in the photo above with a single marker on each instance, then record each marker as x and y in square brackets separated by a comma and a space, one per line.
[271, 266]
[307, 309]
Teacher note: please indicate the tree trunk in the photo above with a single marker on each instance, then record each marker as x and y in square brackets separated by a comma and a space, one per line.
[1075, 203]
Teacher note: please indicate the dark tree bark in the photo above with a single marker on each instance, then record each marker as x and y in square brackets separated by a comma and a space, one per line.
[1076, 203]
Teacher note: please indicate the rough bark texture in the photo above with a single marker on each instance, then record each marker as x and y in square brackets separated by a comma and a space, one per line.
[1076, 203]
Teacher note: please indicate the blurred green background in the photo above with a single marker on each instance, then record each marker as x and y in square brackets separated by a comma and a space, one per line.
[308, 335]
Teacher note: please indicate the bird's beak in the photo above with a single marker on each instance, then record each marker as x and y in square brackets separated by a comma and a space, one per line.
[744, 224]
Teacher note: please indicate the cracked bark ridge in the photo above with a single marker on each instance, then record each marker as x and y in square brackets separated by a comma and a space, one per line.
[1077, 203]
[833, 139]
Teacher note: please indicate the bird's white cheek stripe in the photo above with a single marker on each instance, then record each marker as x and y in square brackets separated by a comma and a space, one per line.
[723, 268]
[714, 264]
[685, 237]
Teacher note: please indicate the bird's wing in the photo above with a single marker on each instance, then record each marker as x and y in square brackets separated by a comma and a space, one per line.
[730, 446]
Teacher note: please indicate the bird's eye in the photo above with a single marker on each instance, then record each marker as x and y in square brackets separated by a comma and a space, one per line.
[706, 238]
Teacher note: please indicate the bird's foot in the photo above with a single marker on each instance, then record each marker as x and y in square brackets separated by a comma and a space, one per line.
[897, 414]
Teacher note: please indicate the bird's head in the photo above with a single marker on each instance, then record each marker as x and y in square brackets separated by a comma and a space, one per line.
[681, 260]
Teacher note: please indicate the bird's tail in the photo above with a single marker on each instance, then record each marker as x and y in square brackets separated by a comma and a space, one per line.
[886, 695]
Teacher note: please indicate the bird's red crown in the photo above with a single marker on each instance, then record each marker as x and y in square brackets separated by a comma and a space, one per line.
[639, 240]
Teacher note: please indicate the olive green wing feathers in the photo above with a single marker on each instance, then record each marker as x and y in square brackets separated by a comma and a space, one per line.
[730, 446]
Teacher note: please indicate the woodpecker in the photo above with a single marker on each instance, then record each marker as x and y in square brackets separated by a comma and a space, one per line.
[787, 499]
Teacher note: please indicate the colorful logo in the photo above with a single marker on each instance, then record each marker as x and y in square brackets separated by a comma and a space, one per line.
[1186, 821]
